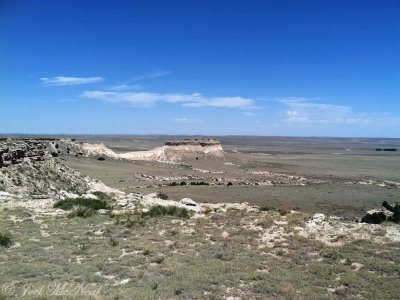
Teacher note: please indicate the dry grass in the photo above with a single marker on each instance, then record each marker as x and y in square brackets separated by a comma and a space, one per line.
[213, 257]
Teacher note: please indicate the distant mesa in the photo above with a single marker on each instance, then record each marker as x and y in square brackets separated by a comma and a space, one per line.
[188, 149]
[172, 151]
[193, 142]
[16, 150]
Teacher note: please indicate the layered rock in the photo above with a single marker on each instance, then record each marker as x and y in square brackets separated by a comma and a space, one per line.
[43, 177]
[15, 151]
[193, 142]
[172, 151]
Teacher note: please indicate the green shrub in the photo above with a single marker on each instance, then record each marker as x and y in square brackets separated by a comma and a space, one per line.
[54, 154]
[134, 221]
[174, 183]
[283, 212]
[81, 211]
[113, 242]
[5, 240]
[162, 196]
[102, 196]
[229, 183]
[69, 203]
[179, 291]
[158, 210]
[158, 259]
[280, 252]
[266, 208]
[199, 183]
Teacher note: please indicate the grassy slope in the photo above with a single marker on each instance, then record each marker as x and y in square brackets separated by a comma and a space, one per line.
[165, 257]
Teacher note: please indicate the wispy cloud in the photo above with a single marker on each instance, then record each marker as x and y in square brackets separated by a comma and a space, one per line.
[130, 85]
[65, 80]
[153, 74]
[125, 87]
[188, 100]
[185, 121]
[304, 110]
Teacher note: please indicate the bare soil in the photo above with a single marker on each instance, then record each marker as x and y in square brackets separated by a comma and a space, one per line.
[344, 167]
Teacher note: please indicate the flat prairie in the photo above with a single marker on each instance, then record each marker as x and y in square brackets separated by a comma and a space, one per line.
[339, 176]
[59, 229]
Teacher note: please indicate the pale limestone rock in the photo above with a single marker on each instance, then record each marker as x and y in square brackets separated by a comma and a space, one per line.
[188, 202]
[90, 196]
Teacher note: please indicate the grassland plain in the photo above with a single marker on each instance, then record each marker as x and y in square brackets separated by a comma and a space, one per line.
[218, 256]
[346, 174]
[168, 253]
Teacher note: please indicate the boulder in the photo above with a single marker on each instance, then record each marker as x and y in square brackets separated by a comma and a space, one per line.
[374, 216]
[221, 210]
[318, 218]
[122, 202]
[90, 196]
[394, 209]
[5, 197]
[66, 194]
[389, 212]
[188, 202]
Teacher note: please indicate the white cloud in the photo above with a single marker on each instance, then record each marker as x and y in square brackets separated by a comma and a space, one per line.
[136, 99]
[185, 121]
[189, 100]
[129, 84]
[303, 110]
[249, 114]
[292, 113]
[125, 87]
[64, 80]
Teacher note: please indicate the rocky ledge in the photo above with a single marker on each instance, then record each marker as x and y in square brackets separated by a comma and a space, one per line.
[15, 151]
[193, 142]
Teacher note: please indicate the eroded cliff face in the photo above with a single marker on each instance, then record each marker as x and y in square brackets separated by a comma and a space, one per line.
[192, 149]
[172, 151]
[22, 160]
[194, 142]
[41, 177]
[16, 151]
[27, 166]
[182, 152]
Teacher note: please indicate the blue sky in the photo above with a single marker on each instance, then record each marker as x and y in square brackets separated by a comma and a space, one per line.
[291, 68]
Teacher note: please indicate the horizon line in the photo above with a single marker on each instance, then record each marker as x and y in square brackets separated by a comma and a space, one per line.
[194, 134]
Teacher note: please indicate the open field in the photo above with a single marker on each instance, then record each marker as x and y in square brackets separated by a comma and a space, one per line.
[68, 235]
[245, 255]
[340, 163]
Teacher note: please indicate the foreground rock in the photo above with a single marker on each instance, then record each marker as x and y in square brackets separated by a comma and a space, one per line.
[41, 177]
[388, 212]
[15, 152]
